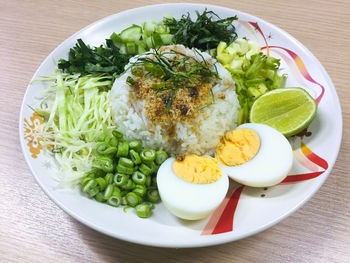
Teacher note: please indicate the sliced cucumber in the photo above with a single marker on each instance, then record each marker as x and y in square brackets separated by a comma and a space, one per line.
[149, 27]
[131, 34]
[139, 39]
[166, 38]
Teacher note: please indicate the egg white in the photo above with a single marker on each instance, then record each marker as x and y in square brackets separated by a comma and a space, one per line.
[188, 200]
[270, 165]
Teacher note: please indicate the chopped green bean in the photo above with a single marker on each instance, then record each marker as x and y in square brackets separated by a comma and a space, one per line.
[148, 181]
[117, 134]
[113, 142]
[101, 183]
[128, 185]
[139, 178]
[148, 155]
[154, 181]
[135, 157]
[114, 201]
[100, 138]
[104, 163]
[92, 192]
[124, 200]
[110, 150]
[109, 178]
[90, 185]
[123, 149]
[101, 147]
[85, 180]
[116, 191]
[108, 192]
[135, 145]
[150, 204]
[124, 170]
[133, 199]
[126, 162]
[99, 197]
[120, 179]
[145, 169]
[124, 192]
[140, 190]
[161, 156]
[143, 210]
[153, 196]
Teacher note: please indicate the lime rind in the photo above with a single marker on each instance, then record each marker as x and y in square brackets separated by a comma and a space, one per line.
[264, 104]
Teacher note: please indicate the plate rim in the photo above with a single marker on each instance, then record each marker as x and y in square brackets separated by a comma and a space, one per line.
[224, 237]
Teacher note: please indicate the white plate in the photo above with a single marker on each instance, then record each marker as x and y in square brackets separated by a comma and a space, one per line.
[245, 211]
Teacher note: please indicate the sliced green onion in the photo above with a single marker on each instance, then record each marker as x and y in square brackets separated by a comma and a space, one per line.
[133, 199]
[161, 156]
[139, 178]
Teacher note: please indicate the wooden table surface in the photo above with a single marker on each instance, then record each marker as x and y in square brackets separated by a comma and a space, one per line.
[34, 229]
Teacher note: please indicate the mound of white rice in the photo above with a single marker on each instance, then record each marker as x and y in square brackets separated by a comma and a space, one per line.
[214, 120]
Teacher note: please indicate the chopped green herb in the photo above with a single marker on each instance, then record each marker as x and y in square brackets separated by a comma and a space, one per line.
[176, 72]
[103, 59]
[205, 33]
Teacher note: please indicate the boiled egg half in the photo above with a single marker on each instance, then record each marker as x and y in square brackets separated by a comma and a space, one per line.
[255, 154]
[193, 187]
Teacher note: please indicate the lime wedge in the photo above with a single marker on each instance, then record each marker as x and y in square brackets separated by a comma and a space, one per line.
[288, 110]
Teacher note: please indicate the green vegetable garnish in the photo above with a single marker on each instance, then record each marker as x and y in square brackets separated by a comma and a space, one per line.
[103, 59]
[176, 71]
[254, 73]
[205, 33]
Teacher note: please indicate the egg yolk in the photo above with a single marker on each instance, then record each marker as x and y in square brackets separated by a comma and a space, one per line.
[238, 147]
[197, 169]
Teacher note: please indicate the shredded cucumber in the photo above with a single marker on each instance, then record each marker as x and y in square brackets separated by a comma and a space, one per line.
[77, 111]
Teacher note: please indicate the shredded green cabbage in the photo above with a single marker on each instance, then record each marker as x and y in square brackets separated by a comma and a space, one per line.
[77, 111]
